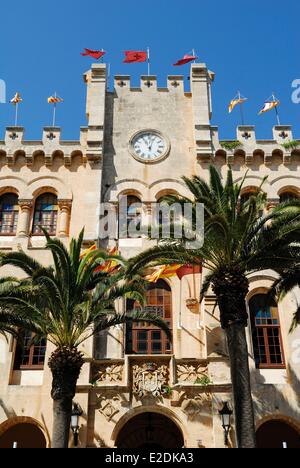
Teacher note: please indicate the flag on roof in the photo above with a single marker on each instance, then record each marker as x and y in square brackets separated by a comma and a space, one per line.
[186, 59]
[54, 100]
[235, 102]
[135, 56]
[16, 99]
[96, 54]
[269, 105]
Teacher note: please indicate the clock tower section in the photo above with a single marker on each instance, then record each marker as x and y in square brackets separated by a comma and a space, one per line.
[170, 125]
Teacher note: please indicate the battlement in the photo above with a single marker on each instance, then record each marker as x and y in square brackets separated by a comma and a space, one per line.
[175, 83]
[246, 145]
[50, 146]
[153, 105]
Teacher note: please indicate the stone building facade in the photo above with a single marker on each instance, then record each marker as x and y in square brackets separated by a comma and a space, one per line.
[136, 390]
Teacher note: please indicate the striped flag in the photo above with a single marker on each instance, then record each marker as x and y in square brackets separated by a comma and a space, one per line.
[88, 251]
[109, 266]
[235, 102]
[16, 99]
[54, 100]
[269, 105]
[166, 271]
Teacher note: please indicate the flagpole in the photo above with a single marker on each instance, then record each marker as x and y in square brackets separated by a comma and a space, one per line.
[108, 75]
[16, 114]
[276, 110]
[241, 109]
[54, 112]
[148, 55]
[194, 54]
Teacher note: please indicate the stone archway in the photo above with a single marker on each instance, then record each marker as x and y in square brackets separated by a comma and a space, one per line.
[275, 432]
[150, 430]
[26, 432]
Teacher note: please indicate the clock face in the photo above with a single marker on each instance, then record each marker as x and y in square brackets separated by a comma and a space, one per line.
[149, 146]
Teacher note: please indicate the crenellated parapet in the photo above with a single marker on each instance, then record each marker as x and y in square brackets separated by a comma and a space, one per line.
[282, 149]
[49, 147]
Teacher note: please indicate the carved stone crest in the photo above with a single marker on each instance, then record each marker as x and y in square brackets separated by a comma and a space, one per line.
[150, 379]
[109, 374]
[109, 404]
[190, 372]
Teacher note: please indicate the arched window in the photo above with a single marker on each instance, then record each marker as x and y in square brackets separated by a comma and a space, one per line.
[130, 217]
[29, 356]
[288, 196]
[144, 338]
[266, 334]
[45, 214]
[9, 213]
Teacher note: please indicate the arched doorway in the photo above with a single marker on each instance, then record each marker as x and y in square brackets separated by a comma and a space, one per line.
[274, 433]
[26, 435]
[150, 431]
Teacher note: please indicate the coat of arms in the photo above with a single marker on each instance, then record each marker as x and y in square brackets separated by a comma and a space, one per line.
[149, 379]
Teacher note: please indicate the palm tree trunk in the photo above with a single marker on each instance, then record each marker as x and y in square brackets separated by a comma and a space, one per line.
[240, 377]
[65, 364]
[231, 287]
[62, 410]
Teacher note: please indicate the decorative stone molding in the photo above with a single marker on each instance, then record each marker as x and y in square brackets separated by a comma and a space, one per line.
[149, 379]
[190, 371]
[109, 374]
[25, 204]
[193, 405]
[109, 404]
[64, 204]
[192, 402]
[193, 304]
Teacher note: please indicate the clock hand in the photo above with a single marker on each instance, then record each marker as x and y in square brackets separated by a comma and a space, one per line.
[152, 141]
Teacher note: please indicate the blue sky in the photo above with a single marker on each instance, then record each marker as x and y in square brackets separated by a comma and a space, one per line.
[251, 46]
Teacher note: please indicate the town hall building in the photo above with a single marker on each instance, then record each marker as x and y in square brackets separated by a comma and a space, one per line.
[137, 389]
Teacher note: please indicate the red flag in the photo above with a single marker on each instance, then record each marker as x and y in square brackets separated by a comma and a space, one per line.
[96, 54]
[186, 270]
[186, 59]
[135, 56]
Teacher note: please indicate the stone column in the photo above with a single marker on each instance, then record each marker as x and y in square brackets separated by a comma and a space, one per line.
[147, 215]
[24, 217]
[64, 217]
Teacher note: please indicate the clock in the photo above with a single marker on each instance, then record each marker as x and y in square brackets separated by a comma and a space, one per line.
[149, 146]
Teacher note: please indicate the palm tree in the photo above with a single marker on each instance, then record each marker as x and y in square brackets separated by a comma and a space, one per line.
[67, 303]
[288, 280]
[10, 321]
[238, 240]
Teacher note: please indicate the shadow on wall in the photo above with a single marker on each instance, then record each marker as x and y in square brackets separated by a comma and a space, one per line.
[8, 410]
[275, 402]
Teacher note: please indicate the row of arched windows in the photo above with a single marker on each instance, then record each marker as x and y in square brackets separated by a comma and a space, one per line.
[134, 211]
[45, 214]
[143, 339]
